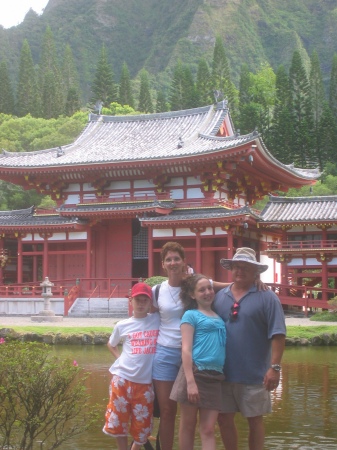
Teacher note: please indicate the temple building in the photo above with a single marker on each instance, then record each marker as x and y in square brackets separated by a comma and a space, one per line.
[128, 184]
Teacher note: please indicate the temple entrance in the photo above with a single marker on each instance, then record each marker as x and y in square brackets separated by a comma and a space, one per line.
[139, 251]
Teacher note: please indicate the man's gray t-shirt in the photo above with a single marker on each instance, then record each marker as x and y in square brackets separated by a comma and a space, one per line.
[248, 346]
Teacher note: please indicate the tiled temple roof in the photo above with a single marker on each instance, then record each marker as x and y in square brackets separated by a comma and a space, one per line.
[300, 209]
[209, 214]
[116, 207]
[145, 138]
[27, 218]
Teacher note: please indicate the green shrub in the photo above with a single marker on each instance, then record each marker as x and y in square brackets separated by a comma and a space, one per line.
[152, 281]
[43, 399]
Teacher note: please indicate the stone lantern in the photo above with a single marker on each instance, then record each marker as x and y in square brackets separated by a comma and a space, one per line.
[46, 315]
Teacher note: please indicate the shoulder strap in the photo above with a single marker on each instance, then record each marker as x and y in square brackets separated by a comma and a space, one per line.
[156, 291]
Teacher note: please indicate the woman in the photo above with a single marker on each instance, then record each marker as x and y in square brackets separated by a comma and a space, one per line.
[167, 360]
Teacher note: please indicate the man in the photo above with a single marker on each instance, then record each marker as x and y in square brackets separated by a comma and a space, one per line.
[256, 332]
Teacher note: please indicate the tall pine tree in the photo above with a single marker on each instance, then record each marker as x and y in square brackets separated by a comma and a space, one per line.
[6, 91]
[221, 78]
[70, 80]
[103, 87]
[177, 87]
[302, 148]
[203, 84]
[247, 118]
[50, 79]
[125, 96]
[317, 97]
[326, 137]
[145, 101]
[161, 103]
[28, 95]
[333, 87]
[183, 93]
[282, 128]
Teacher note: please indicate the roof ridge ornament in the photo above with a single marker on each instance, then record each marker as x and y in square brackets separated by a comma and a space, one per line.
[217, 95]
[180, 142]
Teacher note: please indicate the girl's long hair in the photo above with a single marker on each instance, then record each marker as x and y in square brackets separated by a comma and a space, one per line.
[188, 285]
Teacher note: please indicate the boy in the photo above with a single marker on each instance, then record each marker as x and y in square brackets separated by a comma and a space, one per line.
[131, 390]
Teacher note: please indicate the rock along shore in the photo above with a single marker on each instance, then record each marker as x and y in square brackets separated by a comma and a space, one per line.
[101, 338]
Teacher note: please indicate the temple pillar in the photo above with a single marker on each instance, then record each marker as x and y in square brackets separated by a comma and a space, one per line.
[2, 252]
[20, 262]
[198, 231]
[88, 253]
[45, 262]
[150, 253]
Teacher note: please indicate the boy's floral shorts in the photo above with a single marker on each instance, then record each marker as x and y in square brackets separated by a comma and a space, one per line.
[129, 402]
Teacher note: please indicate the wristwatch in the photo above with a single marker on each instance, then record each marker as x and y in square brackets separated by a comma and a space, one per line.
[276, 367]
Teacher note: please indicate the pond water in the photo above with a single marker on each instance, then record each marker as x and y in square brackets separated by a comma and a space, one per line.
[304, 405]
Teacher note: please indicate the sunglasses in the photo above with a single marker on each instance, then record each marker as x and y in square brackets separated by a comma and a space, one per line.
[234, 312]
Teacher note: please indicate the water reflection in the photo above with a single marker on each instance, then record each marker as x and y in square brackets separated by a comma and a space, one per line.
[304, 405]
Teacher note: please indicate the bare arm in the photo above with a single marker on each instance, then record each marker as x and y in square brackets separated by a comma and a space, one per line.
[113, 350]
[217, 285]
[272, 377]
[154, 309]
[187, 333]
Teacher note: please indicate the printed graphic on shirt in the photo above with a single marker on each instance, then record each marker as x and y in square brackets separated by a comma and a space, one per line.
[143, 342]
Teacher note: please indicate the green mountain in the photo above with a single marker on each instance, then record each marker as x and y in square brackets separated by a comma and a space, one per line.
[155, 33]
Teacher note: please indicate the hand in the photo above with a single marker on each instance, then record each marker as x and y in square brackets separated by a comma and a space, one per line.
[261, 286]
[271, 379]
[192, 392]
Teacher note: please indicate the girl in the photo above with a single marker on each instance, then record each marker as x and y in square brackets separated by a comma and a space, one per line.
[198, 384]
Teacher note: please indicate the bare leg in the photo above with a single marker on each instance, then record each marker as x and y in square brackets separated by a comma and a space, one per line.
[136, 447]
[168, 411]
[188, 421]
[122, 442]
[228, 431]
[256, 433]
[207, 423]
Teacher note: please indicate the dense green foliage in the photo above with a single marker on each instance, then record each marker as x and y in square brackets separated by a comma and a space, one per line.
[27, 134]
[42, 398]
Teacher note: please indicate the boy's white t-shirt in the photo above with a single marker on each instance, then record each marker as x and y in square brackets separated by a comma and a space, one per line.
[139, 339]
[171, 310]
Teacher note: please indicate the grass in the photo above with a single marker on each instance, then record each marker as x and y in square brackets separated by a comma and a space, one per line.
[324, 316]
[55, 329]
[294, 331]
[298, 331]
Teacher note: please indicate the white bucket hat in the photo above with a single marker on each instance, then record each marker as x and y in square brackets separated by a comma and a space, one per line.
[244, 254]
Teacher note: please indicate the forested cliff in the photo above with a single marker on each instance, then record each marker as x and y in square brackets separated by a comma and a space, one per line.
[155, 33]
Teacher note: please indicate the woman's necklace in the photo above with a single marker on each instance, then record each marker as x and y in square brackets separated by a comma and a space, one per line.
[175, 295]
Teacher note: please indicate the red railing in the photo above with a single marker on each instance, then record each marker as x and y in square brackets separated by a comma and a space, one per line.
[70, 298]
[305, 297]
[303, 245]
[29, 289]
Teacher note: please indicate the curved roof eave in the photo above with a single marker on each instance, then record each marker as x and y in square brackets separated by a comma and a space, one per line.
[204, 215]
[309, 174]
[299, 210]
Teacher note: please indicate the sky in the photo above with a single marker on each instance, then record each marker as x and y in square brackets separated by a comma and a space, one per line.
[12, 12]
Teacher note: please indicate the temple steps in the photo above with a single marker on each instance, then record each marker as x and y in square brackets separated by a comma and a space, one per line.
[100, 307]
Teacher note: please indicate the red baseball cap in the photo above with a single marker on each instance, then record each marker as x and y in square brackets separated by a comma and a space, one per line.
[141, 289]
